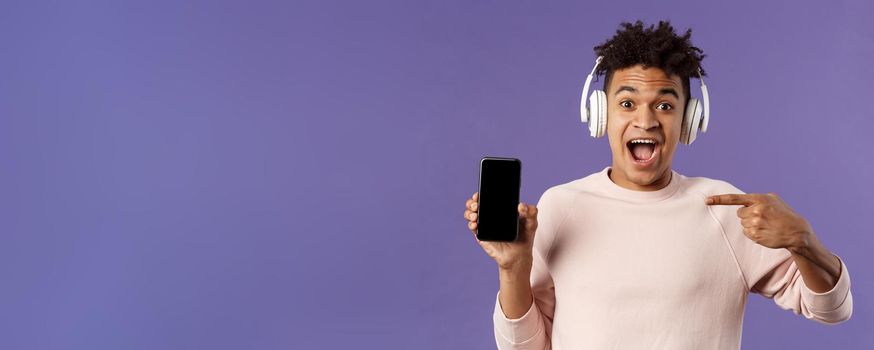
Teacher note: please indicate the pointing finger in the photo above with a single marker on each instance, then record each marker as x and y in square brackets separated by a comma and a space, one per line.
[731, 199]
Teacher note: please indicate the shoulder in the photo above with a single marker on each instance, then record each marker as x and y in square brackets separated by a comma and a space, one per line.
[566, 193]
[705, 186]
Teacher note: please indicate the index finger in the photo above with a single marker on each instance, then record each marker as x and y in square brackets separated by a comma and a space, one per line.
[475, 196]
[731, 199]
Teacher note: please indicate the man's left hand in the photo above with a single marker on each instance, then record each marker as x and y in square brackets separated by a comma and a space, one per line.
[768, 220]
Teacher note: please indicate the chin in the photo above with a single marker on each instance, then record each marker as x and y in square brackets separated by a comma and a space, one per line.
[644, 176]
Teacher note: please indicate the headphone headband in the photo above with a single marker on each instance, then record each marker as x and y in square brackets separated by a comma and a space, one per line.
[584, 111]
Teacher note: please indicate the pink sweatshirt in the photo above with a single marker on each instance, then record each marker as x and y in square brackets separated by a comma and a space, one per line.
[621, 269]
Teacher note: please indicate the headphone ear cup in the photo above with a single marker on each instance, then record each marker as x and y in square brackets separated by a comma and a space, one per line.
[597, 113]
[691, 122]
[705, 119]
[602, 113]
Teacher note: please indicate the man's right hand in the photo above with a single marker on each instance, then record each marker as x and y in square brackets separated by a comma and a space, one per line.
[510, 256]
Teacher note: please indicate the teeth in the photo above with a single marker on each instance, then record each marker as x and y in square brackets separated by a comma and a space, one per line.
[642, 141]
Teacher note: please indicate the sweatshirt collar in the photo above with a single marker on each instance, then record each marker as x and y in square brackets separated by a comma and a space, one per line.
[619, 192]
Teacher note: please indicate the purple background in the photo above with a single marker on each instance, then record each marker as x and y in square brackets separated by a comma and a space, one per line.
[274, 175]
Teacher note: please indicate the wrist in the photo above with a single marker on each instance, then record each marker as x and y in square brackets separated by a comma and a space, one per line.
[519, 267]
[802, 243]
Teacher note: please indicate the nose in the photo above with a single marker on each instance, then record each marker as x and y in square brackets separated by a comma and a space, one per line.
[645, 119]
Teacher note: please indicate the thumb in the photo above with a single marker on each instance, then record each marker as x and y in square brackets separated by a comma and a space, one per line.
[527, 210]
[528, 215]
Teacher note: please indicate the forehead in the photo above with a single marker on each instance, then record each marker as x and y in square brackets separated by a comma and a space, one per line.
[649, 78]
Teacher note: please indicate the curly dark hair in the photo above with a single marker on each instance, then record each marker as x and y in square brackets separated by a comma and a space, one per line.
[655, 46]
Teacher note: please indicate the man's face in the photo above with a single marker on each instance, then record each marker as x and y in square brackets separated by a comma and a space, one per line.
[643, 104]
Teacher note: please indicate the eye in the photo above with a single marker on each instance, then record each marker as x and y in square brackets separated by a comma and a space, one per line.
[626, 104]
[665, 106]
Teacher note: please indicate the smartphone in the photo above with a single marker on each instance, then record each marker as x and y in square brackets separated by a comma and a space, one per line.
[500, 180]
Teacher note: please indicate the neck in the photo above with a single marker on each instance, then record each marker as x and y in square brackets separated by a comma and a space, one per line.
[621, 180]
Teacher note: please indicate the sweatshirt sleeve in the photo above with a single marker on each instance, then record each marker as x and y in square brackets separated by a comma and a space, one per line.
[784, 284]
[774, 274]
[534, 329]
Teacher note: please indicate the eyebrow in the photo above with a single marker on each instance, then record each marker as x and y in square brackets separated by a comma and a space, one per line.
[662, 91]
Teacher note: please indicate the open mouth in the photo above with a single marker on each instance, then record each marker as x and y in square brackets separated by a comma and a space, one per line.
[643, 151]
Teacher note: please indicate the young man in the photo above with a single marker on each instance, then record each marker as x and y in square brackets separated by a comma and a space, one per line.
[639, 256]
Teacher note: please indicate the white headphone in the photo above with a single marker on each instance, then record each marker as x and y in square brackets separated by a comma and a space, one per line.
[696, 117]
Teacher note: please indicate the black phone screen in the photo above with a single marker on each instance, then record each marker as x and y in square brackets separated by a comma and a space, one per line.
[499, 184]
